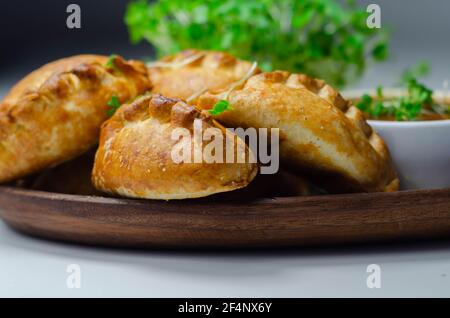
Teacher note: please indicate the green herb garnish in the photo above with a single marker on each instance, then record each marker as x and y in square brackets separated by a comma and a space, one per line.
[408, 107]
[418, 99]
[419, 70]
[114, 105]
[322, 38]
[110, 63]
[220, 107]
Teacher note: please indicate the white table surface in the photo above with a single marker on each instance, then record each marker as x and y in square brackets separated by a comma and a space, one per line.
[34, 267]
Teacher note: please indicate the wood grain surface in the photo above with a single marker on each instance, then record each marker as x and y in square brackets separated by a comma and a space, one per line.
[289, 221]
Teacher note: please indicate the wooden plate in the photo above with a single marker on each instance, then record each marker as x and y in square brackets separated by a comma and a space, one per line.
[290, 221]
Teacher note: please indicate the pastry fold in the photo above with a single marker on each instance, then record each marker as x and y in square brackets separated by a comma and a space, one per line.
[185, 74]
[135, 155]
[55, 113]
[321, 134]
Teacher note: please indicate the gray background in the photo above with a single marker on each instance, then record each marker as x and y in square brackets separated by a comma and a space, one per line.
[419, 31]
[33, 33]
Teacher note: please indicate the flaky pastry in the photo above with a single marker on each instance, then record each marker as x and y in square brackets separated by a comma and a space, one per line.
[134, 158]
[320, 131]
[54, 114]
[185, 74]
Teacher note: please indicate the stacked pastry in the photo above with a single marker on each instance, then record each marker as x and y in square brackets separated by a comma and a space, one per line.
[60, 111]
[55, 113]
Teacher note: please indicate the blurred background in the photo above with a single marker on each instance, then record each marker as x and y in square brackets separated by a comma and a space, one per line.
[33, 33]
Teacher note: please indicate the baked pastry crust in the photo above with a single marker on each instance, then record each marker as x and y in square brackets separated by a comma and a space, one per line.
[134, 156]
[205, 70]
[320, 131]
[55, 113]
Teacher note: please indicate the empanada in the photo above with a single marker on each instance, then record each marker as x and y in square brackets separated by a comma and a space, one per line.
[320, 132]
[189, 72]
[135, 155]
[55, 113]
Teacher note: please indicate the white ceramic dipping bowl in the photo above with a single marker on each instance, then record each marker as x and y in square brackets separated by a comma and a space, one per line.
[420, 149]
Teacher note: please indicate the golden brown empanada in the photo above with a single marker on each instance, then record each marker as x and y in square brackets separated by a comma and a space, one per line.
[319, 130]
[55, 113]
[134, 158]
[189, 72]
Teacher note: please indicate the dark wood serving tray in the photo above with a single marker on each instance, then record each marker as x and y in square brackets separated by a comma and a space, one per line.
[271, 222]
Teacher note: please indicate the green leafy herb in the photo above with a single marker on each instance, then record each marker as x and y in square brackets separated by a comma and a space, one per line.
[322, 38]
[110, 63]
[380, 91]
[220, 107]
[114, 105]
[408, 107]
[419, 70]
